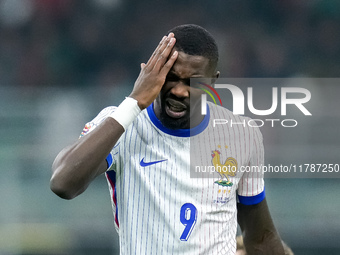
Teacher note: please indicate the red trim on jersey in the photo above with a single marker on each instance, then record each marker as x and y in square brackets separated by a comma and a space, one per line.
[114, 195]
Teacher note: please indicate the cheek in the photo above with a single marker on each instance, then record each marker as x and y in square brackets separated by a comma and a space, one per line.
[195, 102]
[163, 90]
[166, 86]
[195, 95]
[166, 89]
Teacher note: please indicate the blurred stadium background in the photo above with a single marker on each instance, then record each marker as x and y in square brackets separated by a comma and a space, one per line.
[62, 61]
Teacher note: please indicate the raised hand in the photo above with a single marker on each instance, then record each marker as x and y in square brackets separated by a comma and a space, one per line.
[152, 75]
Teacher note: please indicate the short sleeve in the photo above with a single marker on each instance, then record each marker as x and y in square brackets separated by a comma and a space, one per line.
[251, 186]
[90, 126]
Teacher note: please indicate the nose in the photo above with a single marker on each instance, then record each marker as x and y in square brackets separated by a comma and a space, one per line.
[180, 90]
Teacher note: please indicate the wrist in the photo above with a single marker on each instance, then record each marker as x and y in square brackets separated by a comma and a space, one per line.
[126, 112]
[140, 100]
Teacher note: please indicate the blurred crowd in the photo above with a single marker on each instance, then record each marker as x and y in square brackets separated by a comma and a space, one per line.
[103, 42]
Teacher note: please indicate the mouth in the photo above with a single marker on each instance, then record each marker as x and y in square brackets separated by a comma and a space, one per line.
[175, 109]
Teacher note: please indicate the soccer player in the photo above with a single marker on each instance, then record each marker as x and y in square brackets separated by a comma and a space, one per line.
[144, 146]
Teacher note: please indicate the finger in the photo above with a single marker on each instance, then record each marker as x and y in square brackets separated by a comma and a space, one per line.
[162, 58]
[167, 66]
[158, 52]
[142, 65]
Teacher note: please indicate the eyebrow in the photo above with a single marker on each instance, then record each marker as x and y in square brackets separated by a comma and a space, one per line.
[173, 74]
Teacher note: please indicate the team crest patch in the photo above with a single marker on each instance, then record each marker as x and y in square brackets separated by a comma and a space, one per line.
[85, 130]
[222, 195]
[228, 168]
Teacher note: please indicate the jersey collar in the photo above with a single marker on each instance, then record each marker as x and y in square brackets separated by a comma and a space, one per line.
[179, 132]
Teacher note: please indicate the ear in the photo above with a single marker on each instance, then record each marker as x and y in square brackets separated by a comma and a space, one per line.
[215, 77]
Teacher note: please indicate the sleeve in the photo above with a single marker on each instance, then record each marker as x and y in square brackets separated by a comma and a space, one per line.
[251, 186]
[90, 126]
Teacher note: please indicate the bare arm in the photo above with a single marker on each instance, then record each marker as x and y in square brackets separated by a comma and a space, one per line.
[258, 230]
[78, 164]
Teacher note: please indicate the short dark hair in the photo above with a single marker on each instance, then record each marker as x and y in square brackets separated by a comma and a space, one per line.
[197, 41]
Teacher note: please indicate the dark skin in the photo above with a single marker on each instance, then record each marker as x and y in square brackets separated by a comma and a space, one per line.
[77, 165]
[164, 80]
[258, 230]
[177, 94]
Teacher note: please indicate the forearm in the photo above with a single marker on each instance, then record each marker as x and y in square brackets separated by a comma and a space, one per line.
[259, 233]
[268, 244]
[77, 165]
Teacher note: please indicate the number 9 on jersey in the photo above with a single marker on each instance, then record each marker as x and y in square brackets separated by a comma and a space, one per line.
[188, 218]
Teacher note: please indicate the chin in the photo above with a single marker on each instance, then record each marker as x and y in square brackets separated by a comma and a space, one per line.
[180, 123]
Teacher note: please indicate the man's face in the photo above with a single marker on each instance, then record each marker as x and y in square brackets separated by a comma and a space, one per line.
[178, 105]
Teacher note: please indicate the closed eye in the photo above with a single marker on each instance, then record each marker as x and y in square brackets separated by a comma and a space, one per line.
[172, 77]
